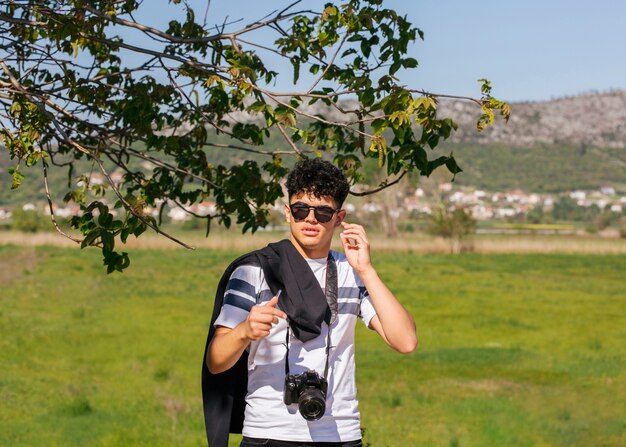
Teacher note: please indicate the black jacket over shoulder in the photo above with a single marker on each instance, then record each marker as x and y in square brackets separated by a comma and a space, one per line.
[223, 394]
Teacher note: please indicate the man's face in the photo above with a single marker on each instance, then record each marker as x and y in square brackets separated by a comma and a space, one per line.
[311, 236]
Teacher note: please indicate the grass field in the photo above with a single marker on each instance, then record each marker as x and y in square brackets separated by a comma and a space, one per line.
[515, 350]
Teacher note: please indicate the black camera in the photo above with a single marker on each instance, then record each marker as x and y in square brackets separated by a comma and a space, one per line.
[308, 390]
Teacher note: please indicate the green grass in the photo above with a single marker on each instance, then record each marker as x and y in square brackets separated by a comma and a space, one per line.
[515, 350]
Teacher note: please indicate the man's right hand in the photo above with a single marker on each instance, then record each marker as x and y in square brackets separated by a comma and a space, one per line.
[261, 319]
[228, 344]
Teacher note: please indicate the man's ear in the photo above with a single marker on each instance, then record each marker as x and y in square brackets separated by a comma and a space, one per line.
[287, 213]
[341, 215]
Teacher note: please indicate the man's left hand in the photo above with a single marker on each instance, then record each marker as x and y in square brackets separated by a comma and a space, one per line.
[356, 246]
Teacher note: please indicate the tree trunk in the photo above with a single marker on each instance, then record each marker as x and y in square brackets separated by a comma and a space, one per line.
[390, 212]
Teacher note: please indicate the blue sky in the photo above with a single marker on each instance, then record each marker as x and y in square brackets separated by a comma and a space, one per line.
[531, 50]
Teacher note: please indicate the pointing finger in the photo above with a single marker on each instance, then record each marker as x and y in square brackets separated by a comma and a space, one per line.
[270, 307]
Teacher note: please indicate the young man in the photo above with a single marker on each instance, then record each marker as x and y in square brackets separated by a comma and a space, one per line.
[305, 333]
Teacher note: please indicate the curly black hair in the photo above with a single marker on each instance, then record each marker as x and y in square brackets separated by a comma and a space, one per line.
[319, 178]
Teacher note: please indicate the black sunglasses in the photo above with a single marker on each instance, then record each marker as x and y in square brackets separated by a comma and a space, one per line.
[323, 214]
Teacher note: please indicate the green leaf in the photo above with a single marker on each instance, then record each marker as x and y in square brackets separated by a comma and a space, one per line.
[15, 109]
[399, 118]
[105, 219]
[433, 140]
[123, 262]
[90, 238]
[409, 62]
[17, 177]
[395, 67]
[139, 229]
[124, 234]
[296, 70]
[70, 172]
[434, 164]
[208, 227]
[108, 242]
[116, 262]
[367, 97]
[453, 167]
[329, 12]
[489, 114]
[366, 48]
[485, 87]
[419, 157]
[379, 125]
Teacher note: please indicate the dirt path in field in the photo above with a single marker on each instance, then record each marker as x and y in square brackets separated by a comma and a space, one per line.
[406, 243]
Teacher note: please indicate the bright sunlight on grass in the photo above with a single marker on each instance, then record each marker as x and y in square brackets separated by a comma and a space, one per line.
[515, 350]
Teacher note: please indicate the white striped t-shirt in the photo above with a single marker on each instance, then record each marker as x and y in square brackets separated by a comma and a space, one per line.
[266, 416]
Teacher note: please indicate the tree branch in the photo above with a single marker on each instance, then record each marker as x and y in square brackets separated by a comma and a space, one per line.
[187, 40]
[330, 64]
[289, 140]
[80, 148]
[308, 115]
[50, 206]
[440, 95]
[253, 151]
[382, 186]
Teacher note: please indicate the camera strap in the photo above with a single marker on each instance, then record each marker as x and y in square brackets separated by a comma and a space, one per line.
[331, 292]
[327, 352]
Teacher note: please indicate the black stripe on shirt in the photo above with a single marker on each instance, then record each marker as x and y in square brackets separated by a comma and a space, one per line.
[238, 301]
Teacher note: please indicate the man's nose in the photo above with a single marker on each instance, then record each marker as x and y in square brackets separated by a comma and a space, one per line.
[311, 216]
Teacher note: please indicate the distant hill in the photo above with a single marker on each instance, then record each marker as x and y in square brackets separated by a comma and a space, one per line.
[597, 120]
[594, 119]
[576, 142]
[569, 143]
[539, 168]
[32, 188]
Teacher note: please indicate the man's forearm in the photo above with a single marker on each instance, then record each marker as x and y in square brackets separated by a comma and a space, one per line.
[226, 348]
[397, 323]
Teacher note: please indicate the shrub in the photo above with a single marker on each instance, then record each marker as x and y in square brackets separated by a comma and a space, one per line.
[28, 221]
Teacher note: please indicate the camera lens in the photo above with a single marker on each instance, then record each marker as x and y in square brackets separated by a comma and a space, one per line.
[312, 404]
